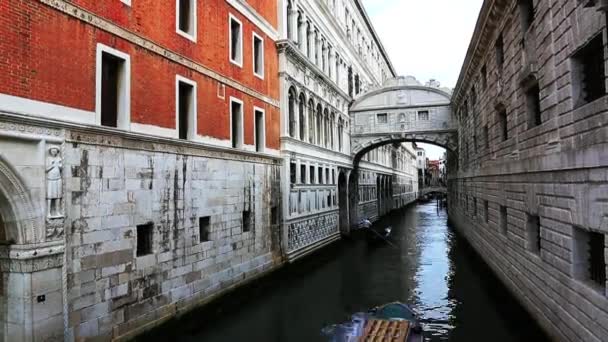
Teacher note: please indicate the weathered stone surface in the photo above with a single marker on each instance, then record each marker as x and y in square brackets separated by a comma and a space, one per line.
[556, 170]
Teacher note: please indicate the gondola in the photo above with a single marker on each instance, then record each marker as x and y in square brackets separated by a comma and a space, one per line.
[394, 322]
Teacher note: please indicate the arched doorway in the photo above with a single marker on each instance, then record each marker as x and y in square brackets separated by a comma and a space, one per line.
[343, 203]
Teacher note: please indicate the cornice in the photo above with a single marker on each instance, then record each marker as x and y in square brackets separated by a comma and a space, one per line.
[375, 35]
[244, 8]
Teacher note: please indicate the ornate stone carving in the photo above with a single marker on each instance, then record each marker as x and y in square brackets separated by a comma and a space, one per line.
[54, 189]
[307, 232]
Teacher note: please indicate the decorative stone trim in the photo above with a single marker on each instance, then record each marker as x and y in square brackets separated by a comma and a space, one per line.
[307, 232]
[102, 24]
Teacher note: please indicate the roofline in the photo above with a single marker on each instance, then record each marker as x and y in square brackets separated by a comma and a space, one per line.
[375, 35]
[484, 15]
[401, 87]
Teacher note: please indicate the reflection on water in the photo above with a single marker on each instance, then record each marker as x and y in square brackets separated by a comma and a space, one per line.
[429, 267]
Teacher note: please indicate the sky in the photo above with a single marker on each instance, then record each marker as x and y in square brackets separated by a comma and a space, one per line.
[427, 39]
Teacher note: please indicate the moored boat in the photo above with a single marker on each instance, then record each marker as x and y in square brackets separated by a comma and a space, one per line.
[394, 322]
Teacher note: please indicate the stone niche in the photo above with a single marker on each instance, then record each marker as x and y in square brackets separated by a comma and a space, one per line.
[31, 236]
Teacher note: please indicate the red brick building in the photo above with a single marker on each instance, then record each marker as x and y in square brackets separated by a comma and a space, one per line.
[139, 160]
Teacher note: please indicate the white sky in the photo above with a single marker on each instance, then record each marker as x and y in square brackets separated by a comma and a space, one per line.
[426, 39]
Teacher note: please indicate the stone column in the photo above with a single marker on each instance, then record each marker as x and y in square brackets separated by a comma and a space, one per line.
[293, 22]
[330, 66]
[317, 48]
[311, 41]
[302, 32]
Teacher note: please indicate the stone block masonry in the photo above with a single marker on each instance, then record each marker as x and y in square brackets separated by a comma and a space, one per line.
[528, 186]
[114, 288]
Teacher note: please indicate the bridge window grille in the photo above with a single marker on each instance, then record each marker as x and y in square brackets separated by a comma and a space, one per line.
[503, 124]
[474, 207]
[589, 258]
[486, 137]
[382, 118]
[526, 12]
[204, 229]
[589, 74]
[533, 233]
[500, 52]
[533, 106]
[423, 115]
[503, 220]
[144, 239]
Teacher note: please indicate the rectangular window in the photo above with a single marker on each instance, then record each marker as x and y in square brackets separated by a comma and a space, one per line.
[486, 212]
[533, 106]
[533, 233]
[486, 137]
[474, 207]
[526, 13]
[236, 41]
[588, 72]
[312, 175]
[382, 118]
[503, 128]
[204, 228]
[144, 239]
[423, 115]
[320, 176]
[292, 173]
[186, 108]
[503, 220]
[246, 221]
[327, 179]
[589, 258]
[113, 100]
[186, 18]
[303, 174]
[260, 129]
[274, 215]
[258, 56]
[500, 52]
[236, 123]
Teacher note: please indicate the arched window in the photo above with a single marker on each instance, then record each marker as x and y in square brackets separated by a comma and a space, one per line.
[292, 112]
[350, 82]
[326, 127]
[302, 112]
[311, 121]
[340, 134]
[332, 131]
[319, 124]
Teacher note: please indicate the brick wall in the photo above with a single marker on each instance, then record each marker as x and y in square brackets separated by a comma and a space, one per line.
[50, 57]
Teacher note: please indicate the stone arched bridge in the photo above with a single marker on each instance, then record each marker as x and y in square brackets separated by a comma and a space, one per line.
[402, 111]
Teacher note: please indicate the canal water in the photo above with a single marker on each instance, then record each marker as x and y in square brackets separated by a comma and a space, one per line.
[426, 265]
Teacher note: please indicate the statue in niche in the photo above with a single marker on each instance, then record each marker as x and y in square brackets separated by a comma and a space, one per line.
[54, 187]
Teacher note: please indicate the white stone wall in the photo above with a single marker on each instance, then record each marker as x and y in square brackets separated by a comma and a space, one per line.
[556, 171]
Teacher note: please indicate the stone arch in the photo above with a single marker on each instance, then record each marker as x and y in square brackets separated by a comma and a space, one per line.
[19, 214]
[353, 197]
[343, 202]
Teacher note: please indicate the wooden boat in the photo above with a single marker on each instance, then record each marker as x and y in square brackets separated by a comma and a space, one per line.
[394, 322]
[375, 234]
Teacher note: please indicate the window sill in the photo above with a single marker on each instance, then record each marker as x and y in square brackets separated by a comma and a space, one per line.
[186, 35]
[237, 63]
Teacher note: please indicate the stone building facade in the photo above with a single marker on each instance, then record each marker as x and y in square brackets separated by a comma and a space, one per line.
[139, 161]
[329, 54]
[528, 183]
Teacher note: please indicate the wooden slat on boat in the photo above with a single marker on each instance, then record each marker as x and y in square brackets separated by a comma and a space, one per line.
[377, 330]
